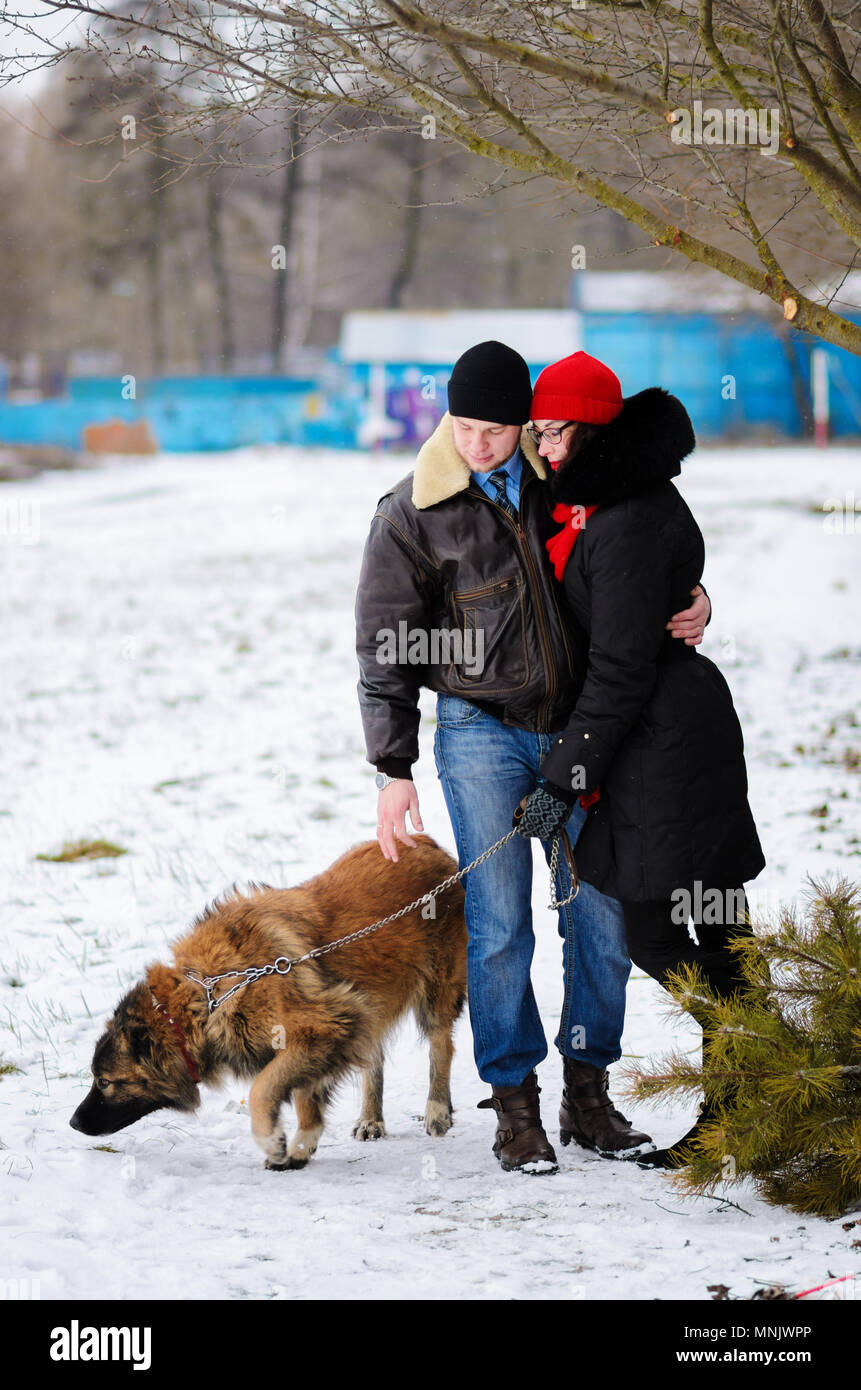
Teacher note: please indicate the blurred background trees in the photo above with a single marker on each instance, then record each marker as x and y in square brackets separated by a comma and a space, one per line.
[280, 165]
[717, 132]
[128, 242]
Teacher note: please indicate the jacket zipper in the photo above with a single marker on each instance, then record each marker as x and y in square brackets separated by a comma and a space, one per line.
[560, 621]
[539, 602]
[567, 644]
[542, 617]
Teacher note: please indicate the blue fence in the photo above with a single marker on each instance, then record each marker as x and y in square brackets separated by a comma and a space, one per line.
[736, 374]
[187, 414]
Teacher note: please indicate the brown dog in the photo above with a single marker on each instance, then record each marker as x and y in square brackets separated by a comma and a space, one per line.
[298, 1034]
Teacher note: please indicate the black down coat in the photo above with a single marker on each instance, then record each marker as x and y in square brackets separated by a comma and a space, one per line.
[654, 725]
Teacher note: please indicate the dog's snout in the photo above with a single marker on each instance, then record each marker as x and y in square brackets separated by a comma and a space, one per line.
[88, 1114]
[95, 1116]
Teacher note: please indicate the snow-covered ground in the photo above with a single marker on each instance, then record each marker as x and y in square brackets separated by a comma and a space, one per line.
[179, 678]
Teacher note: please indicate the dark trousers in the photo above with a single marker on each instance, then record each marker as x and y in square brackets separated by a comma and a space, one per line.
[659, 944]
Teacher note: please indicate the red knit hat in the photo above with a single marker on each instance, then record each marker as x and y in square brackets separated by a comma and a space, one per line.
[577, 388]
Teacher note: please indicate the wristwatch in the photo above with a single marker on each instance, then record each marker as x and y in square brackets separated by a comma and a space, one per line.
[382, 780]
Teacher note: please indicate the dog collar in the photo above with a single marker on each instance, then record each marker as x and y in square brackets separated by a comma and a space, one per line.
[180, 1037]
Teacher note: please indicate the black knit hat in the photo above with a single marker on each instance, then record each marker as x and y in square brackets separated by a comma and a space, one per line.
[491, 382]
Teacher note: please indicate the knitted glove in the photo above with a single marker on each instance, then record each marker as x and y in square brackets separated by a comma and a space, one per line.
[545, 812]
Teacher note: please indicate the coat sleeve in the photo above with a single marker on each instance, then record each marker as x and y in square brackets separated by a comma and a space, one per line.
[628, 569]
[393, 590]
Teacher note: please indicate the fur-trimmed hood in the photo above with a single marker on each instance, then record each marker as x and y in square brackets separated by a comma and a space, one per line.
[440, 472]
[642, 447]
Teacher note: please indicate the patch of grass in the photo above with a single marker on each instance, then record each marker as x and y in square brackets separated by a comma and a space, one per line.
[849, 757]
[192, 783]
[8, 1068]
[84, 849]
[852, 654]
[105, 1149]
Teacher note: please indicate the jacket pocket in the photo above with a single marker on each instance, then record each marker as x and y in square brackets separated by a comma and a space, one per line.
[492, 623]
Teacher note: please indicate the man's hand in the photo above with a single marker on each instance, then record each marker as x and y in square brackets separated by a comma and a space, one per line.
[691, 623]
[393, 803]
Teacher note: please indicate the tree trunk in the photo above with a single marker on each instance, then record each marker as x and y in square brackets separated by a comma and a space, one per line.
[410, 239]
[304, 293]
[289, 196]
[220, 276]
[153, 260]
[798, 377]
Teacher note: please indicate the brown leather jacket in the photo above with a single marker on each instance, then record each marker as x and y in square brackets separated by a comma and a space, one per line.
[457, 596]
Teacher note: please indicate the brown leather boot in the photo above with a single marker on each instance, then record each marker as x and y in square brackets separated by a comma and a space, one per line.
[588, 1117]
[520, 1141]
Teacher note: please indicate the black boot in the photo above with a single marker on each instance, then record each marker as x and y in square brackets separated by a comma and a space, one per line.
[676, 1156]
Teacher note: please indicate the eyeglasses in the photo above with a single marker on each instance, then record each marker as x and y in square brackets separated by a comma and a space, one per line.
[552, 436]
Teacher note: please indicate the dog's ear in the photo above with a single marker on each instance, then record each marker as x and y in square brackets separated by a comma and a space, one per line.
[140, 1044]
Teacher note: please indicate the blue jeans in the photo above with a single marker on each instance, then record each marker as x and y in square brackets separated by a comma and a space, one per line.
[486, 767]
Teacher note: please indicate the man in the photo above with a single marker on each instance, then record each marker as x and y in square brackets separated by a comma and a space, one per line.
[455, 565]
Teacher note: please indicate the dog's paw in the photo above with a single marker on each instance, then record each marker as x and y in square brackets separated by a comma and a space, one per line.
[286, 1163]
[275, 1148]
[369, 1129]
[438, 1120]
[303, 1145]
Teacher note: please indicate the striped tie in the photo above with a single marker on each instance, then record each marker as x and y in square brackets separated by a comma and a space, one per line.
[498, 479]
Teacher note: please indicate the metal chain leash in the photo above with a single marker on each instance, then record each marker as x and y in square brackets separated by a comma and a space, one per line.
[283, 965]
[572, 871]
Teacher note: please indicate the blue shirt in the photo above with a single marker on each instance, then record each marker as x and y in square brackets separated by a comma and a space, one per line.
[513, 469]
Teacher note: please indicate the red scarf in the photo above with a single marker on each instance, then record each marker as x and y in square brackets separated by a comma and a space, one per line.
[559, 548]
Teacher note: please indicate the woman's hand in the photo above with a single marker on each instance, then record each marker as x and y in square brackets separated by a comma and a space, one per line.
[690, 623]
[545, 812]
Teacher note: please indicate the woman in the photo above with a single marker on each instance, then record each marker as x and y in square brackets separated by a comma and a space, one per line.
[653, 747]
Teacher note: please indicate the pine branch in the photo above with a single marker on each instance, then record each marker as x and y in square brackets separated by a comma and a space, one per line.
[786, 1090]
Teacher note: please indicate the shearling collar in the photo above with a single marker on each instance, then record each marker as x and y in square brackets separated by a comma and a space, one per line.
[642, 447]
[440, 471]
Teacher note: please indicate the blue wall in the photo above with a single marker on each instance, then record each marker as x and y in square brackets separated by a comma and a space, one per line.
[691, 354]
[187, 414]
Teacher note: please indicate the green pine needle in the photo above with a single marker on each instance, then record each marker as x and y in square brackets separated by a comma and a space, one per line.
[784, 1061]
